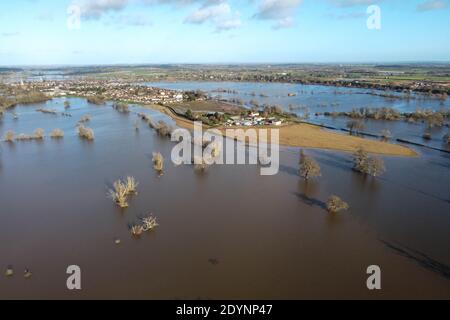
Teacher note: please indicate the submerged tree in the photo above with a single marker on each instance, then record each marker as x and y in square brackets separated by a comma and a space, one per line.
[162, 128]
[361, 160]
[386, 135]
[149, 223]
[355, 126]
[336, 204]
[158, 163]
[376, 167]
[57, 134]
[9, 136]
[434, 119]
[137, 230]
[98, 100]
[38, 134]
[309, 168]
[365, 164]
[121, 107]
[85, 133]
[119, 194]
[214, 148]
[131, 185]
[200, 165]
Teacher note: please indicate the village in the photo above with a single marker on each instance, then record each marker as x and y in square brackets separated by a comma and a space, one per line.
[112, 90]
[100, 91]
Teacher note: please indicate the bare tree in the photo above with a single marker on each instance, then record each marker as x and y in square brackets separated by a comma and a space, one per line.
[131, 185]
[85, 133]
[376, 167]
[57, 134]
[361, 160]
[9, 136]
[386, 135]
[163, 129]
[308, 167]
[365, 164]
[39, 134]
[121, 107]
[98, 100]
[435, 119]
[355, 126]
[119, 194]
[200, 165]
[137, 230]
[336, 204]
[158, 163]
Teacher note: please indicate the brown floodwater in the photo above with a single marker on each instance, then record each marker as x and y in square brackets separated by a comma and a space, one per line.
[226, 234]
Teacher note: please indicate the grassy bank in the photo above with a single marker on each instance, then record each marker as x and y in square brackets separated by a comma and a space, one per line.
[309, 136]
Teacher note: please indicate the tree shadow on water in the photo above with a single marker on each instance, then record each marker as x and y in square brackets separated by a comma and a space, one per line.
[308, 188]
[312, 202]
[363, 181]
[421, 258]
[335, 161]
[289, 170]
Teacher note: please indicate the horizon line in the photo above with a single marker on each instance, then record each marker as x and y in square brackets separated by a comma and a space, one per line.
[222, 64]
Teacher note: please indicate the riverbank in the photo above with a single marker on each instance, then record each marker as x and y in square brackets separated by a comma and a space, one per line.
[309, 136]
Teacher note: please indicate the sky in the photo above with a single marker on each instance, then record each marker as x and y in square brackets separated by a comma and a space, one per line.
[92, 32]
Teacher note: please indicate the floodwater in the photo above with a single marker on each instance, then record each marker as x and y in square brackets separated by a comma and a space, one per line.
[321, 99]
[228, 233]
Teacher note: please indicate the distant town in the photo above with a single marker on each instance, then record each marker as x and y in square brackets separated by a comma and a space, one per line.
[113, 90]
[177, 101]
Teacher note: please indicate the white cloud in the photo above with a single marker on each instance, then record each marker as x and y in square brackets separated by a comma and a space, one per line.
[228, 24]
[280, 11]
[217, 12]
[432, 5]
[284, 23]
[206, 13]
[353, 3]
[94, 9]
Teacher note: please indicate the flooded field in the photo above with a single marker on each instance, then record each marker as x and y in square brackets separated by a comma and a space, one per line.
[322, 99]
[226, 234]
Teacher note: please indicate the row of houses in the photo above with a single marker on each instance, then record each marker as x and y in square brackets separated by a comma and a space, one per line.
[253, 119]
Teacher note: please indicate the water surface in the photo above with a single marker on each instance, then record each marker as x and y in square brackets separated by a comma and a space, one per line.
[230, 233]
[321, 99]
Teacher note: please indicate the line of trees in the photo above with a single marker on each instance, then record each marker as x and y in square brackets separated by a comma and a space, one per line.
[363, 163]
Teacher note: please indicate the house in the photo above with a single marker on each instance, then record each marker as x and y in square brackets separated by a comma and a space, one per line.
[277, 123]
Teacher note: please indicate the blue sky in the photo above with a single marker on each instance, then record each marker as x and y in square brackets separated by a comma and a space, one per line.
[36, 32]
